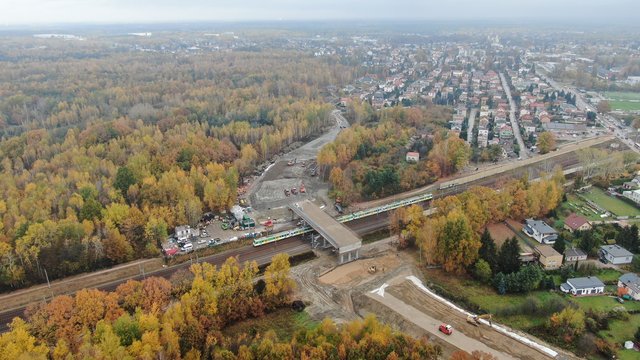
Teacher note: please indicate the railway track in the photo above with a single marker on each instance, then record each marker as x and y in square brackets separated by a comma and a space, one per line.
[262, 255]
[296, 245]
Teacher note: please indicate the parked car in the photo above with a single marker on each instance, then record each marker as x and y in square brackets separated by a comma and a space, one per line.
[446, 329]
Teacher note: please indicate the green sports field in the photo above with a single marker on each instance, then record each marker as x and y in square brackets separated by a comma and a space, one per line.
[626, 101]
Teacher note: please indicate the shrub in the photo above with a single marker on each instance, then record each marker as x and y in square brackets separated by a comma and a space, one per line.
[606, 348]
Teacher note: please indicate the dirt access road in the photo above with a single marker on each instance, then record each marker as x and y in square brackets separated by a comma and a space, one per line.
[507, 347]
[266, 194]
[344, 293]
[428, 323]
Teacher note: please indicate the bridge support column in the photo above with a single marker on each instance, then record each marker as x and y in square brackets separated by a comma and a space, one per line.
[349, 256]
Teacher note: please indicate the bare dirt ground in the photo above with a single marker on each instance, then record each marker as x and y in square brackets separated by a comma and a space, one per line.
[500, 233]
[343, 293]
[266, 193]
[414, 297]
[357, 272]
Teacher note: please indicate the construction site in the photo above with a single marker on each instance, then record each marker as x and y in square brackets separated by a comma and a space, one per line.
[385, 282]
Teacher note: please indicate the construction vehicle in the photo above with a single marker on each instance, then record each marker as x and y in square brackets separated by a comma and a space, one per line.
[446, 329]
[294, 191]
[247, 222]
[475, 319]
[286, 192]
[302, 189]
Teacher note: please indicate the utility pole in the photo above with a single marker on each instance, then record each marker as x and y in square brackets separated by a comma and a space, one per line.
[48, 283]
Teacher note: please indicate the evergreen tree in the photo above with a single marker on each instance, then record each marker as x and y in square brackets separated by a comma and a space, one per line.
[124, 179]
[631, 238]
[488, 251]
[560, 245]
[588, 242]
[509, 256]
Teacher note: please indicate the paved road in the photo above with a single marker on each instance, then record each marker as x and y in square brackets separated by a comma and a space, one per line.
[471, 123]
[429, 324]
[512, 116]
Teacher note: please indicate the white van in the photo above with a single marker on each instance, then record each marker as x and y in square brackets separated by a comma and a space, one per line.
[188, 247]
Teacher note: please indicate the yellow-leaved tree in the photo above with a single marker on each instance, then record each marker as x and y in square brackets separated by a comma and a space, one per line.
[278, 284]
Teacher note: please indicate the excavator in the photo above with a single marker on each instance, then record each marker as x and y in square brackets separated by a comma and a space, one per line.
[475, 319]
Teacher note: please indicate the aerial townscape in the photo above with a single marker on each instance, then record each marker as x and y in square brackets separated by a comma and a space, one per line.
[278, 181]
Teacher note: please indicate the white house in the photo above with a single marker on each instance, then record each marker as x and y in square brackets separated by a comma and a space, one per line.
[574, 254]
[629, 284]
[540, 231]
[615, 254]
[183, 232]
[583, 286]
[633, 195]
[412, 156]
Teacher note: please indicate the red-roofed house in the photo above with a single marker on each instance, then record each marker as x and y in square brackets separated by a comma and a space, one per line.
[575, 222]
[412, 156]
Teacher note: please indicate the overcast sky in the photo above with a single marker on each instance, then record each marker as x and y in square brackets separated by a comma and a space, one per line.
[131, 11]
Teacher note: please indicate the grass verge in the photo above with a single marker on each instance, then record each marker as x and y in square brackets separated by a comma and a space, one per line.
[284, 322]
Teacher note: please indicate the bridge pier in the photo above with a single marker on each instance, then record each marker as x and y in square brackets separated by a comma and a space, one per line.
[349, 256]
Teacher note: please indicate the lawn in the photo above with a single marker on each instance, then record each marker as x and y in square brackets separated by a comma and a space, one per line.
[284, 322]
[613, 205]
[604, 303]
[609, 275]
[578, 206]
[628, 355]
[625, 105]
[628, 101]
[486, 298]
[622, 330]
[621, 95]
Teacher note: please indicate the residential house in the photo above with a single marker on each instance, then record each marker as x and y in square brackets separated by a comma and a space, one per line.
[540, 231]
[574, 255]
[629, 284]
[506, 132]
[575, 222]
[545, 119]
[412, 156]
[184, 232]
[633, 195]
[483, 137]
[529, 127]
[615, 254]
[548, 257]
[583, 286]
